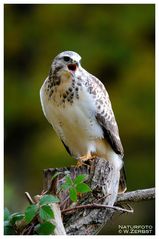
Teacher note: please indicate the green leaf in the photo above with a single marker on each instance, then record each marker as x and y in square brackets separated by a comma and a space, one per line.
[8, 229]
[83, 188]
[73, 194]
[46, 213]
[45, 228]
[46, 199]
[30, 212]
[69, 180]
[65, 186]
[80, 178]
[6, 214]
[16, 217]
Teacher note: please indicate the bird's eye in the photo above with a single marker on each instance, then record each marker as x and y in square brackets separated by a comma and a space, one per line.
[66, 58]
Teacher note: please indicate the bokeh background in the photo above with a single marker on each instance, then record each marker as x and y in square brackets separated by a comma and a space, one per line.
[117, 44]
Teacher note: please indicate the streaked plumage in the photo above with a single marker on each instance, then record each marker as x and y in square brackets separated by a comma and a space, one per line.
[77, 105]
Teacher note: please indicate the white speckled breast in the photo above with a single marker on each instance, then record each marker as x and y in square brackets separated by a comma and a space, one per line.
[74, 123]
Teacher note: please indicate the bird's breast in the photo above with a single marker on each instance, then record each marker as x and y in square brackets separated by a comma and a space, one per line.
[75, 123]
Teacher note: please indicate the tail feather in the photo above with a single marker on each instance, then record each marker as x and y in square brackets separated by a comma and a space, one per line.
[122, 181]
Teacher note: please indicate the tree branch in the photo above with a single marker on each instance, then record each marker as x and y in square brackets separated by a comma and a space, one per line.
[96, 205]
[30, 200]
[57, 221]
[136, 196]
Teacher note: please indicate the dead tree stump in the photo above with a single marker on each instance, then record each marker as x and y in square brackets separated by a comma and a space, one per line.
[93, 209]
[103, 178]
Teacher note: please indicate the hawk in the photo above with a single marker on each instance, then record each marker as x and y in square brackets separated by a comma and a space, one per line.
[77, 106]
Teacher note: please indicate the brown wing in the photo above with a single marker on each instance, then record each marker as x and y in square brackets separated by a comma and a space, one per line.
[105, 115]
[111, 133]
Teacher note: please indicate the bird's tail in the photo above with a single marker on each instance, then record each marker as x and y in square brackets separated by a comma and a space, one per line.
[122, 181]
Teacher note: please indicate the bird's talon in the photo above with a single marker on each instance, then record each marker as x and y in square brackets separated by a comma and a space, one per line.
[80, 163]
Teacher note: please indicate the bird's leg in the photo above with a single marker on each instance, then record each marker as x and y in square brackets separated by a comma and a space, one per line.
[80, 163]
[84, 158]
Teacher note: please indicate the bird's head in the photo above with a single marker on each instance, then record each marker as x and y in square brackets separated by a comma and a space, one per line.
[67, 61]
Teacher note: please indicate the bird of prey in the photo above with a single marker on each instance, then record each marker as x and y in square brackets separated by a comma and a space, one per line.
[77, 106]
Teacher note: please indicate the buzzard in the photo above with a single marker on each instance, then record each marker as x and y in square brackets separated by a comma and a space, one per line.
[77, 106]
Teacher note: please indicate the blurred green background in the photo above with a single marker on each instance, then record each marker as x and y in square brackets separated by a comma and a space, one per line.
[117, 44]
